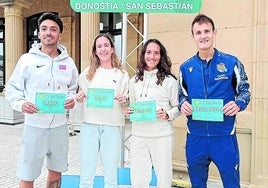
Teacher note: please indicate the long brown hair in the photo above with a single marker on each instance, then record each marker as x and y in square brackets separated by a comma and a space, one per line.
[164, 65]
[94, 62]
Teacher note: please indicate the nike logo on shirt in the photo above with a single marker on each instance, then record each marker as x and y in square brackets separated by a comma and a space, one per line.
[38, 66]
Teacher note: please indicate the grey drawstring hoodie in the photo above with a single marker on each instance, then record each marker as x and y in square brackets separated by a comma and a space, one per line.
[166, 97]
[38, 72]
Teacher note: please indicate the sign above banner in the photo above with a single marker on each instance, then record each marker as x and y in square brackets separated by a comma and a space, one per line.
[137, 6]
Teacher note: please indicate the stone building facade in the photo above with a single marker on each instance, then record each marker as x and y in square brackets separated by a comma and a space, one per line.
[242, 30]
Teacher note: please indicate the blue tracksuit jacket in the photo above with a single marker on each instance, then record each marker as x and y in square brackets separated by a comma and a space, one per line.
[224, 78]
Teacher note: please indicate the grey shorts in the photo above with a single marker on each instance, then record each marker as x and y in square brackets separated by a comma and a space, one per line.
[39, 144]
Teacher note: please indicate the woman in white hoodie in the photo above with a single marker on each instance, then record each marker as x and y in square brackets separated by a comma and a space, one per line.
[104, 91]
[152, 141]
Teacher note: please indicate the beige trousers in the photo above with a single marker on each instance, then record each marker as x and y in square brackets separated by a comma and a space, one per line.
[148, 153]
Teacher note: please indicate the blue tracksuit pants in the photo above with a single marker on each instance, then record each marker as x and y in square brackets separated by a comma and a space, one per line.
[221, 150]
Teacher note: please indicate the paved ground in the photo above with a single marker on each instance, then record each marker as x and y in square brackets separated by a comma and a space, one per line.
[10, 138]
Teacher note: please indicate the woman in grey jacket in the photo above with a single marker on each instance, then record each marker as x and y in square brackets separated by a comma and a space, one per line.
[152, 141]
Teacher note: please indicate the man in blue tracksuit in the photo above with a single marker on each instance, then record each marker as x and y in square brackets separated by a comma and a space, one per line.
[211, 74]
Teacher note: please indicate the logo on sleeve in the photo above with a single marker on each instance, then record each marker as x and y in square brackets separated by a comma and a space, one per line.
[62, 67]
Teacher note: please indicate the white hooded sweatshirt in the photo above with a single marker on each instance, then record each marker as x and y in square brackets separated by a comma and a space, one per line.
[166, 97]
[38, 72]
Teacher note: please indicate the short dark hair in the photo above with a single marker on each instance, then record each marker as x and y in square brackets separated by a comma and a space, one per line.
[201, 18]
[50, 16]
